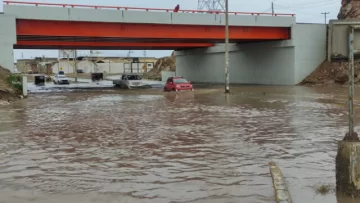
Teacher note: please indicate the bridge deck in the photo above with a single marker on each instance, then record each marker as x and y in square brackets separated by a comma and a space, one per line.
[54, 25]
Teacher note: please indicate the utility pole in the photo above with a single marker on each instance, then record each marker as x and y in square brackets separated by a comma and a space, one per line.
[325, 14]
[68, 60]
[351, 82]
[58, 61]
[23, 63]
[272, 7]
[145, 62]
[109, 66]
[227, 46]
[75, 56]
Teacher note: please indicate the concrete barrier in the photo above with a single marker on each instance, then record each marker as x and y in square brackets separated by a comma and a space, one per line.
[281, 191]
[348, 168]
[24, 85]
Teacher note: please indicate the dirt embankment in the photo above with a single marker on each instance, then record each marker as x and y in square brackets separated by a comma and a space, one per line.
[162, 64]
[8, 93]
[332, 73]
[350, 9]
[337, 72]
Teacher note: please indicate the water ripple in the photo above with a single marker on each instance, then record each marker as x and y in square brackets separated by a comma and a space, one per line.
[166, 148]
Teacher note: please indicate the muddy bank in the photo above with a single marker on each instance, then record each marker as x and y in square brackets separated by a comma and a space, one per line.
[162, 64]
[332, 73]
[336, 72]
[8, 92]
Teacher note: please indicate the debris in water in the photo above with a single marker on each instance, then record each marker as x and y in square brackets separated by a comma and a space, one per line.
[324, 189]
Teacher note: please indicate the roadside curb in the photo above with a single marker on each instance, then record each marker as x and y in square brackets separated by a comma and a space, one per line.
[281, 190]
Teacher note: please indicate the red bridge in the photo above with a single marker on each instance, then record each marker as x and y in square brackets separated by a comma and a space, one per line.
[70, 26]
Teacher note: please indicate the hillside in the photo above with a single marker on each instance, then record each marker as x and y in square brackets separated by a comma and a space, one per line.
[337, 72]
[162, 64]
[331, 73]
[350, 9]
[8, 93]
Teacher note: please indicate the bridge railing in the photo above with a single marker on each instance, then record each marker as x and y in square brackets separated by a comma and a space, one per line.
[137, 8]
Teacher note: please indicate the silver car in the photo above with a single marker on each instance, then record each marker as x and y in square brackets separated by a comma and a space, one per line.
[130, 81]
[61, 79]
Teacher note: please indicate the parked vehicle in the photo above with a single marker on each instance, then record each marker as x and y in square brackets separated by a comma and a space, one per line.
[130, 81]
[39, 80]
[61, 79]
[177, 83]
[79, 70]
[97, 76]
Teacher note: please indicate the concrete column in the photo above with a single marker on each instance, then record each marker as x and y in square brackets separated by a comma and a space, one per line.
[24, 85]
[348, 168]
[7, 56]
[7, 41]
[1, 6]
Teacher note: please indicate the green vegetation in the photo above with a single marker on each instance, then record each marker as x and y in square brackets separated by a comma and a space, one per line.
[15, 81]
[324, 189]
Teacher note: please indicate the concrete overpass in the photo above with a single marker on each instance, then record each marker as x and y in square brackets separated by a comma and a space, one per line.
[197, 33]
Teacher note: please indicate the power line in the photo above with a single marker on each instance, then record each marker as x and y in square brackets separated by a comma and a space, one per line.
[297, 11]
[303, 8]
[267, 10]
[309, 5]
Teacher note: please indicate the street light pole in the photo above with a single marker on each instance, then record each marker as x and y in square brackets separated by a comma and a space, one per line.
[227, 46]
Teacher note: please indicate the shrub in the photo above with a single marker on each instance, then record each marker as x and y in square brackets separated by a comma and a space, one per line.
[15, 81]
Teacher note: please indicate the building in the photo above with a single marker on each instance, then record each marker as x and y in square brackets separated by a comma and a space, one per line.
[86, 64]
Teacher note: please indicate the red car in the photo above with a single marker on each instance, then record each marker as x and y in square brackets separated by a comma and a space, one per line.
[177, 84]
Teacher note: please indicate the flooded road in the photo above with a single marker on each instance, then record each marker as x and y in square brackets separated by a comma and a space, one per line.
[149, 146]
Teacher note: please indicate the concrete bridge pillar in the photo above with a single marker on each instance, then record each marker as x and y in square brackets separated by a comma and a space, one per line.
[6, 56]
[7, 41]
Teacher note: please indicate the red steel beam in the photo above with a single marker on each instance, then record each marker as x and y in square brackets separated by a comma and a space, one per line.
[142, 31]
[111, 44]
[52, 47]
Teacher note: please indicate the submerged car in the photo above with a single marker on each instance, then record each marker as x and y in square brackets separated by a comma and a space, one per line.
[61, 79]
[177, 84]
[130, 81]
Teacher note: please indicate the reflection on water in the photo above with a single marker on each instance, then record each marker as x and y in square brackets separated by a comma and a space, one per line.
[198, 146]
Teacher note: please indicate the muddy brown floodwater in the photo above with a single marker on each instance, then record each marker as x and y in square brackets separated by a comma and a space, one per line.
[146, 146]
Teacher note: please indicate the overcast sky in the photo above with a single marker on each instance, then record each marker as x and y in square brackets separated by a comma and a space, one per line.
[308, 11]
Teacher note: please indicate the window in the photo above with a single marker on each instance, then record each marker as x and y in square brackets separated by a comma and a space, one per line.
[134, 77]
[180, 80]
